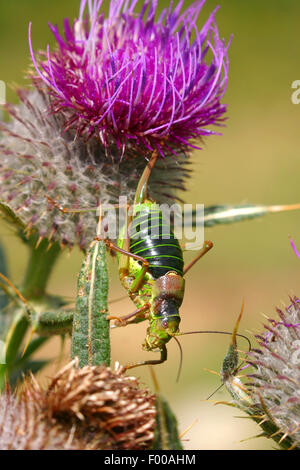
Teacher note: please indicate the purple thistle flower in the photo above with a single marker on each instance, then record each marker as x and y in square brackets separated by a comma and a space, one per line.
[135, 82]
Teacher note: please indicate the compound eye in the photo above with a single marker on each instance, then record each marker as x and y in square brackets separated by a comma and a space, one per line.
[165, 323]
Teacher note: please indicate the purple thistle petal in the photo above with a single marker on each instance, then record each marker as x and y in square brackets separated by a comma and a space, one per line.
[135, 81]
[294, 247]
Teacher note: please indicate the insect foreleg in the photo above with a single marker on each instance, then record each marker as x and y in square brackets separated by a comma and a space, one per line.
[123, 271]
[163, 358]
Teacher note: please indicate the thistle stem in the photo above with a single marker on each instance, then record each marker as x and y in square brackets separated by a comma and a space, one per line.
[40, 265]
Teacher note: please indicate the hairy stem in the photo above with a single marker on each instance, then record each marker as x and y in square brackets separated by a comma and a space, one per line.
[41, 262]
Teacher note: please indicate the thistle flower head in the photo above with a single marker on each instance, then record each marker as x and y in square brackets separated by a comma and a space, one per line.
[38, 160]
[134, 81]
[88, 408]
[271, 395]
[275, 384]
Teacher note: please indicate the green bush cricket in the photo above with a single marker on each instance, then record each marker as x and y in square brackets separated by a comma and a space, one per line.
[152, 271]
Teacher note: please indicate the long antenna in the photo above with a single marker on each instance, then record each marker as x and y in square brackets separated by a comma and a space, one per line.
[180, 362]
[234, 344]
[216, 332]
[215, 391]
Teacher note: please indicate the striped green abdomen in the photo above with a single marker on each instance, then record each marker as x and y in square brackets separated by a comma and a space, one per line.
[152, 239]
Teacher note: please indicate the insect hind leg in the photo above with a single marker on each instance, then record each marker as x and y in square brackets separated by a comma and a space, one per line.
[123, 270]
[141, 191]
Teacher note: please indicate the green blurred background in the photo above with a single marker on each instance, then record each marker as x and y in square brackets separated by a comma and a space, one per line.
[256, 160]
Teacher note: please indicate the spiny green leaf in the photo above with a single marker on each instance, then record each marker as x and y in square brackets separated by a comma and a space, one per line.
[166, 432]
[90, 337]
[4, 318]
[15, 337]
[229, 214]
[9, 216]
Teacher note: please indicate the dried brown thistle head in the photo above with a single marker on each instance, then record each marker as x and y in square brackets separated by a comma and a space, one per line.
[88, 408]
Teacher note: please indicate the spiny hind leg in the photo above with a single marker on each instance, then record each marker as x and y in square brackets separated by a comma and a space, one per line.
[68, 210]
[163, 358]
[80, 210]
[141, 191]
[207, 246]
[140, 197]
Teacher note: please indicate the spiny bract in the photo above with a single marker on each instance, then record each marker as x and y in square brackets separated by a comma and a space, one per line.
[275, 384]
[271, 394]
